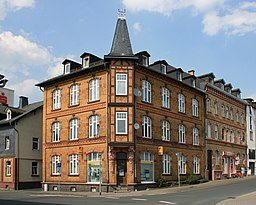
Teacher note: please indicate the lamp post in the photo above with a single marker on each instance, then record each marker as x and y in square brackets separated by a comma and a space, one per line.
[178, 160]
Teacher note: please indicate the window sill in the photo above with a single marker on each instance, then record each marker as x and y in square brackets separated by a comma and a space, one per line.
[148, 182]
[75, 105]
[149, 138]
[149, 103]
[55, 175]
[35, 175]
[57, 109]
[166, 108]
[93, 101]
[73, 175]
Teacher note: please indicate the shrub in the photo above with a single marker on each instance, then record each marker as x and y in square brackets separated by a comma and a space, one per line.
[192, 179]
[162, 183]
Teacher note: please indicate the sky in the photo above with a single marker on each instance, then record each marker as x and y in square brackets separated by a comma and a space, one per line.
[217, 36]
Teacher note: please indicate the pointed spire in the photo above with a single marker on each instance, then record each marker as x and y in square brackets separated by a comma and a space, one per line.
[121, 45]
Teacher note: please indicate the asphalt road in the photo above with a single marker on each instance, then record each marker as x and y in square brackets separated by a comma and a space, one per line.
[206, 194]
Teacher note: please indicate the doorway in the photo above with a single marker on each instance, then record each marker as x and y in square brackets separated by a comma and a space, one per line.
[209, 164]
[121, 161]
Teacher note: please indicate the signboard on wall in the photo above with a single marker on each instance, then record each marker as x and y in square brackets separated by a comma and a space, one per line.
[6, 96]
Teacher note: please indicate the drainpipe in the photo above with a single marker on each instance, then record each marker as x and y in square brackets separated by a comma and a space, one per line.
[134, 130]
[107, 168]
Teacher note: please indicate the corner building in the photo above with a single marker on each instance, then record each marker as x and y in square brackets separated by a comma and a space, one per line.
[119, 121]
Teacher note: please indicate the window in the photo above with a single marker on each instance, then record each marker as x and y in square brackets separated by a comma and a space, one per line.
[209, 130]
[73, 164]
[73, 129]
[216, 157]
[231, 114]
[121, 123]
[166, 164]
[179, 76]
[94, 90]
[181, 103]
[121, 84]
[56, 99]
[94, 126]
[195, 107]
[8, 114]
[147, 167]
[146, 127]
[93, 166]
[242, 118]
[193, 83]
[7, 143]
[227, 112]
[165, 98]
[163, 68]
[222, 110]
[144, 60]
[146, 91]
[67, 68]
[35, 169]
[216, 132]
[86, 61]
[166, 131]
[182, 138]
[8, 168]
[35, 143]
[182, 164]
[74, 94]
[196, 165]
[216, 108]
[208, 105]
[195, 136]
[56, 132]
[237, 116]
[55, 165]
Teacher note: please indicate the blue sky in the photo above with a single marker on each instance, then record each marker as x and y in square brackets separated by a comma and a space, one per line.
[216, 36]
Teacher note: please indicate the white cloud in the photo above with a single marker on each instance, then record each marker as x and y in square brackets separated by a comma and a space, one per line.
[166, 7]
[237, 21]
[19, 55]
[137, 27]
[26, 87]
[55, 69]
[13, 5]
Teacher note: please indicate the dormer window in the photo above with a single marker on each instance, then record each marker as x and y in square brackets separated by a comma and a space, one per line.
[193, 83]
[144, 60]
[86, 62]
[163, 68]
[179, 76]
[67, 68]
[222, 86]
[8, 114]
[210, 80]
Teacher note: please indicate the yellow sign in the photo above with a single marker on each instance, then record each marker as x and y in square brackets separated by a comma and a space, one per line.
[160, 150]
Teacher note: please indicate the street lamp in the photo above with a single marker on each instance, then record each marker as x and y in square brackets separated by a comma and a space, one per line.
[178, 160]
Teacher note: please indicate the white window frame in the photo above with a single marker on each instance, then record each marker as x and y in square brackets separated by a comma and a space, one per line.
[35, 169]
[7, 143]
[35, 143]
[67, 68]
[182, 164]
[195, 136]
[74, 94]
[222, 110]
[209, 130]
[196, 165]
[94, 126]
[8, 168]
[146, 127]
[55, 162]
[216, 132]
[166, 130]
[181, 103]
[163, 68]
[8, 114]
[73, 164]
[182, 134]
[146, 91]
[121, 117]
[121, 84]
[73, 129]
[148, 158]
[56, 132]
[166, 164]
[208, 105]
[195, 107]
[94, 90]
[145, 60]
[216, 108]
[94, 166]
[56, 99]
[165, 98]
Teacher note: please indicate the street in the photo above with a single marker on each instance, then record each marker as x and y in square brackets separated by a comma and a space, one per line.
[209, 193]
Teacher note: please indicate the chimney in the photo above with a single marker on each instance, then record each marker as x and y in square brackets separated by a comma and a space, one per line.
[23, 102]
[191, 72]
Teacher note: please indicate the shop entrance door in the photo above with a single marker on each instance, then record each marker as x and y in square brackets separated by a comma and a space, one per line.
[121, 160]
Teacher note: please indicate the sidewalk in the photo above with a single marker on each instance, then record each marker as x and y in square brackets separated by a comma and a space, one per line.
[248, 199]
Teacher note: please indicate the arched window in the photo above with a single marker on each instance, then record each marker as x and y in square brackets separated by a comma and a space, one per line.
[166, 131]
[94, 90]
[94, 126]
[74, 94]
[146, 127]
[56, 96]
[73, 129]
[146, 91]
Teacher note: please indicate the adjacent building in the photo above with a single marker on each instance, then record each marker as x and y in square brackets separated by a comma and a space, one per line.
[225, 124]
[251, 136]
[20, 145]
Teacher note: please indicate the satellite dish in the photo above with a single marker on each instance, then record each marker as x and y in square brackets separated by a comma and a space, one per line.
[137, 92]
[136, 126]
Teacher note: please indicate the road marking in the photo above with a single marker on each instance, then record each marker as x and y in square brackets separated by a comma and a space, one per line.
[55, 195]
[139, 199]
[167, 202]
[111, 197]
